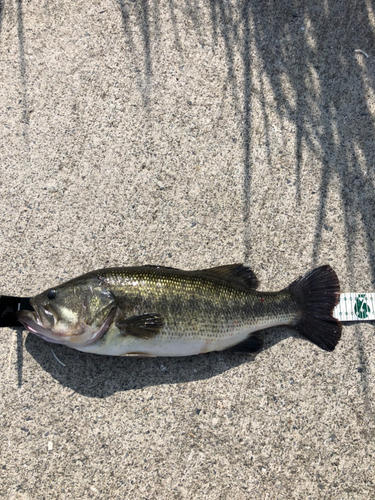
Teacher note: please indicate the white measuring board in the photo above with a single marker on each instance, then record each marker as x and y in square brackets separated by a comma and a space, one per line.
[355, 307]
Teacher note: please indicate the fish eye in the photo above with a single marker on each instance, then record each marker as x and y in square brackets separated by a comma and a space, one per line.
[51, 294]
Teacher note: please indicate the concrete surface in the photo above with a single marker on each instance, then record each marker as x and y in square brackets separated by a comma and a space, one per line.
[190, 134]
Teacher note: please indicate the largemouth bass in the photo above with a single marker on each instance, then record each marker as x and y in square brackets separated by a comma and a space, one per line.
[159, 311]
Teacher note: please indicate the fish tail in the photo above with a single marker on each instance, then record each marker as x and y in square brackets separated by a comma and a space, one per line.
[318, 292]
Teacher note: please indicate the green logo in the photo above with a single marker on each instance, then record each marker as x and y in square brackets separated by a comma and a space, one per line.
[361, 308]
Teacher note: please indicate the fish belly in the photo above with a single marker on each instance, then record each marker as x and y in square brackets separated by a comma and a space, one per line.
[170, 344]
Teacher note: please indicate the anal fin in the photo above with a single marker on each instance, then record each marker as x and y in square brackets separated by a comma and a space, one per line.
[254, 343]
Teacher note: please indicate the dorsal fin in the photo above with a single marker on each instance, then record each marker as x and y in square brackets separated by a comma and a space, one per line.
[234, 273]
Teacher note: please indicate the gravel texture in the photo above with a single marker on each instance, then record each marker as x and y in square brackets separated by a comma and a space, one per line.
[189, 134]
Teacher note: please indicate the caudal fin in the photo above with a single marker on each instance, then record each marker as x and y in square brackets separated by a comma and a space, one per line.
[318, 292]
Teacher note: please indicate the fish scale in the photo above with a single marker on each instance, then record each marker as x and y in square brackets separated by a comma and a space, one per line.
[158, 311]
[204, 301]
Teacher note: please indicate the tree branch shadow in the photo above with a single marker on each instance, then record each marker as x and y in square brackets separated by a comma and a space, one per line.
[316, 46]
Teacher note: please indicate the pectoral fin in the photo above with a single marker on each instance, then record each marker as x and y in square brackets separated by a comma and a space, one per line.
[145, 326]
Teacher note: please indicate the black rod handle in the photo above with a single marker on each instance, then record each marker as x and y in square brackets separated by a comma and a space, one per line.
[9, 306]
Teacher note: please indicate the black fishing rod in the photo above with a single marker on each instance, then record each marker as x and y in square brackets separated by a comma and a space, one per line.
[9, 307]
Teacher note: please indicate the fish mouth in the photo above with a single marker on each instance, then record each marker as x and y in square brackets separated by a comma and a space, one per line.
[82, 337]
[32, 323]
